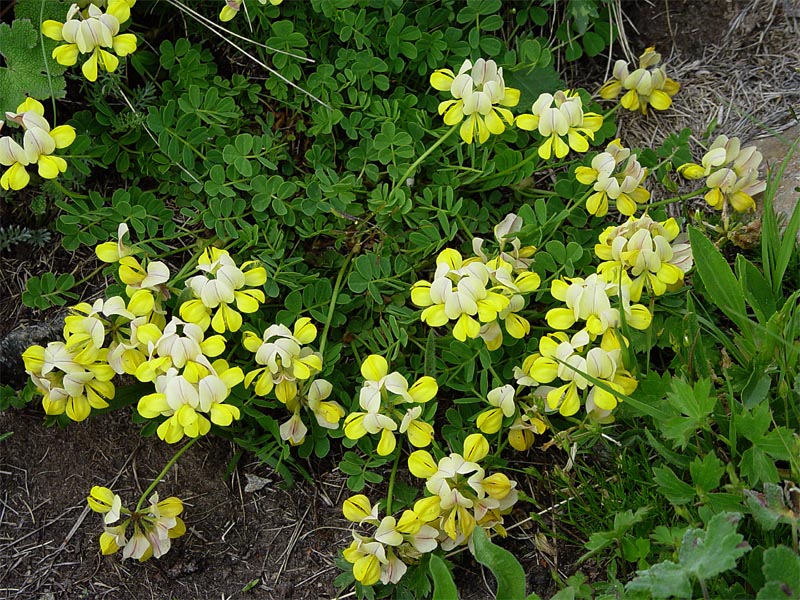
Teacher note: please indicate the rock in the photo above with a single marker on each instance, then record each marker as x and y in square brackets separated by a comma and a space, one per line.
[774, 149]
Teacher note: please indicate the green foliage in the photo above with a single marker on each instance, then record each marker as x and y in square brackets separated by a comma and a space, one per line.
[346, 192]
[48, 290]
[16, 234]
[25, 72]
[781, 573]
[504, 566]
[704, 554]
[444, 588]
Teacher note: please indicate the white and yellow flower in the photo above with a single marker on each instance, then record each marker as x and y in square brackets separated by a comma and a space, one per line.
[646, 86]
[92, 32]
[222, 285]
[38, 145]
[479, 99]
[561, 116]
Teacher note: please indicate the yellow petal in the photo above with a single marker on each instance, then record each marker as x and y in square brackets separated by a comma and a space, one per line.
[421, 464]
[442, 79]
[52, 29]
[424, 389]
[476, 447]
[374, 368]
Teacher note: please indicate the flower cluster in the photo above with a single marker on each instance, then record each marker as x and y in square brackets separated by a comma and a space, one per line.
[67, 383]
[103, 339]
[221, 285]
[384, 398]
[731, 172]
[643, 253]
[288, 367]
[589, 300]
[579, 367]
[614, 175]
[524, 417]
[232, 8]
[557, 116]
[479, 292]
[646, 86]
[154, 527]
[92, 31]
[186, 397]
[384, 556]
[479, 97]
[132, 336]
[462, 496]
[39, 142]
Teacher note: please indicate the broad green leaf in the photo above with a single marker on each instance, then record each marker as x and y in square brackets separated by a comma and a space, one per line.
[707, 553]
[707, 472]
[444, 588]
[676, 491]
[25, 73]
[722, 288]
[756, 289]
[504, 566]
[704, 553]
[662, 580]
[782, 573]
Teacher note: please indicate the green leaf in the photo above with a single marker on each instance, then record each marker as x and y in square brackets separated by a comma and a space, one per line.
[782, 573]
[676, 491]
[707, 472]
[722, 288]
[504, 566]
[756, 289]
[662, 580]
[704, 553]
[715, 550]
[25, 73]
[444, 588]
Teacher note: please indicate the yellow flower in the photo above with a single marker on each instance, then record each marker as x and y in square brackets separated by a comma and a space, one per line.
[589, 300]
[186, 398]
[479, 95]
[91, 33]
[154, 526]
[462, 495]
[502, 399]
[232, 8]
[731, 172]
[624, 187]
[223, 284]
[646, 86]
[39, 143]
[650, 255]
[459, 293]
[284, 358]
[558, 116]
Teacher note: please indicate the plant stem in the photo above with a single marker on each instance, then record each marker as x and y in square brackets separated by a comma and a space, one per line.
[67, 192]
[422, 157]
[677, 198]
[392, 476]
[163, 473]
[337, 287]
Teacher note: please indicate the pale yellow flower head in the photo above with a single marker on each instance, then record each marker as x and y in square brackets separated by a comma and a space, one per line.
[93, 32]
[479, 99]
[731, 172]
[558, 116]
[39, 142]
[646, 86]
[614, 175]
